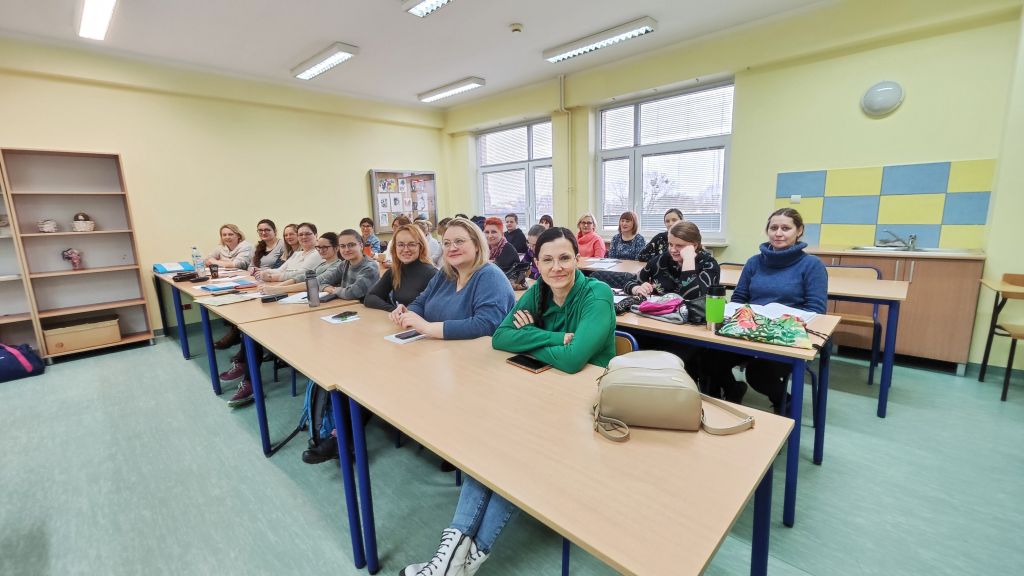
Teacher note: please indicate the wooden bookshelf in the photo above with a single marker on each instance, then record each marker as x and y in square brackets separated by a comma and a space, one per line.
[42, 184]
[12, 318]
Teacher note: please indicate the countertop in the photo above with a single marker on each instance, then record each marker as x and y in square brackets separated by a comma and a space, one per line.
[916, 255]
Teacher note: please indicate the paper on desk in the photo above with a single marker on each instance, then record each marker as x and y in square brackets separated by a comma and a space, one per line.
[773, 311]
[619, 298]
[330, 318]
[215, 301]
[172, 266]
[602, 265]
[299, 298]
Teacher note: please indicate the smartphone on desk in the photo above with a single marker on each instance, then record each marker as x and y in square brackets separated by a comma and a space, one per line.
[272, 298]
[344, 315]
[407, 335]
[528, 363]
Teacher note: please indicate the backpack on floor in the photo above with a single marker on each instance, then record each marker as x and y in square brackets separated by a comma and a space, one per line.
[317, 414]
[19, 362]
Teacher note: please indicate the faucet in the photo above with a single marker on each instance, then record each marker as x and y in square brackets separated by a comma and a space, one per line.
[910, 243]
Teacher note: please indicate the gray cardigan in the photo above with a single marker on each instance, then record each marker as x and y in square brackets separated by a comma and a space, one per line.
[353, 280]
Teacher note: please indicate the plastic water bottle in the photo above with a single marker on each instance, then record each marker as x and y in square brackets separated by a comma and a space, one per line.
[197, 262]
[312, 289]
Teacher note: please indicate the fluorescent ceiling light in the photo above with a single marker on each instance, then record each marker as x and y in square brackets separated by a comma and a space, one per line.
[601, 39]
[423, 8]
[334, 54]
[96, 18]
[452, 89]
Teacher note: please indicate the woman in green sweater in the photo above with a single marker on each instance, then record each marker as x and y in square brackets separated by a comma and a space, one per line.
[547, 323]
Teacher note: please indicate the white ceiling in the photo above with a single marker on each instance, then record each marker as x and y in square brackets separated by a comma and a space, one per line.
[400, 55]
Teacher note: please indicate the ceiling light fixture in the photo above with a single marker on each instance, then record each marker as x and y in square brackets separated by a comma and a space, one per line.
[423, 8]
[600, 40]
[452, 89]
[334, 54]
[96, 18]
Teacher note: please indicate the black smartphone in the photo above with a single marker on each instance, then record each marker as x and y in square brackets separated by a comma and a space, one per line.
[528, 363]
[406, 335]
[344, 315]
[272, 298]
[199, 279]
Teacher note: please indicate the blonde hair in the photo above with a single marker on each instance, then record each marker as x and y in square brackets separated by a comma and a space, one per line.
[585, 215]
[476, 236]
[234, 229]
[287, 251]
[396, 264]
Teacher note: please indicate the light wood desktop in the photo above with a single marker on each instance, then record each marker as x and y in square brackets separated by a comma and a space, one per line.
[626, 266]
[660, 504]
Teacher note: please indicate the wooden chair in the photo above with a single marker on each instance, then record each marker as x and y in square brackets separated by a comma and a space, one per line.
[1013, 331]
[870, 273]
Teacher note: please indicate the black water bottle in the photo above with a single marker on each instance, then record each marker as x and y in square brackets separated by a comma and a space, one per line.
[312, 289]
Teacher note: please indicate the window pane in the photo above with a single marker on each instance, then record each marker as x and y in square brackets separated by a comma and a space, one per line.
[543, 189]
[690, 181]
[505, 192]
[615, 189]
[687, 116]
[542, 140]
[504, 146]
[617, 128]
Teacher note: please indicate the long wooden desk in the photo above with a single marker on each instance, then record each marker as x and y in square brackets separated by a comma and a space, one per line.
[626, 266]
[797, 358]
[887, 292]
[659, 504]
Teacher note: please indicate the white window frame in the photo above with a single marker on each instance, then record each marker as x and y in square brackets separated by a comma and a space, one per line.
[530, 166]
[636, 154]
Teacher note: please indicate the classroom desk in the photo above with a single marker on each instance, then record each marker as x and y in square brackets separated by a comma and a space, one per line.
[887, 292]
[176, 289]
[659, 504]
[796, 357]
[1002, 290]
[626, 266]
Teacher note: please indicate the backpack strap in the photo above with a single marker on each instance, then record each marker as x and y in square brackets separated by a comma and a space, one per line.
[612, 429]
[19, 357]
[746, 420]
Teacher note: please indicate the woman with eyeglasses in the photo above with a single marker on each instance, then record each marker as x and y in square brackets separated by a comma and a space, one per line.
[467, 298]
[357, 272]
[267, 253]
[591, 245]
[371, 244]
[327, 248]
[500, 250]
[410, 272]
[546, 323]
[659, 244]
[305, 258]
[233, 250]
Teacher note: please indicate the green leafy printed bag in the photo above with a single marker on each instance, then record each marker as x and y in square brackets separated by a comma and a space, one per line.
[746, 324]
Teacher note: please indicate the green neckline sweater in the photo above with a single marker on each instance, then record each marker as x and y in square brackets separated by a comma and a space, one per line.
[589, 301]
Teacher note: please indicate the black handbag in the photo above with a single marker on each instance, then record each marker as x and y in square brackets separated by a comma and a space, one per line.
[19, 362]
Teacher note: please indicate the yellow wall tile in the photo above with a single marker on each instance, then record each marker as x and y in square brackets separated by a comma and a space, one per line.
[847, 235]
[970, 176]
[854, 182]
[809, 208]
[962, 236]
[911, 209]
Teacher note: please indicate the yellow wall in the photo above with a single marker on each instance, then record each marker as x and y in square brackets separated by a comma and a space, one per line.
[227, 151]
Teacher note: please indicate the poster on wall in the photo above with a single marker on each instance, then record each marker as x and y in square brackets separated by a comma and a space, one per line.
[399, 192]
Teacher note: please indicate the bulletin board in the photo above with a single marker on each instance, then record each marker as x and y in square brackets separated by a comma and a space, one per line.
[395, 193]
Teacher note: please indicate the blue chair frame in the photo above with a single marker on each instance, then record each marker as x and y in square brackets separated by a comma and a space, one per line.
[876, 336]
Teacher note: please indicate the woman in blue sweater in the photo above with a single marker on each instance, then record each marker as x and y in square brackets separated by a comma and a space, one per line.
[467, 298]
[781, 273]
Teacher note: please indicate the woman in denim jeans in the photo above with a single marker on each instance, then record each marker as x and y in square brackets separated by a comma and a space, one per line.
[546, 323]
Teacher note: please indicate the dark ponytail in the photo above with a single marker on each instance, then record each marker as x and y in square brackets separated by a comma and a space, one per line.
[544, 291]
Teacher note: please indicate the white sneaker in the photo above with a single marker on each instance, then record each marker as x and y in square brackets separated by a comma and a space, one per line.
[474, 559]
[449, 560]
[740, 374]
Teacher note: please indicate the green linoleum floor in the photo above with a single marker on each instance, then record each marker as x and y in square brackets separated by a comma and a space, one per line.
[126, 463]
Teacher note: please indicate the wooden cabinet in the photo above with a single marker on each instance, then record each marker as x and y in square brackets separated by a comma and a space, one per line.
[16, 325]
[43, 185]
[936, 319]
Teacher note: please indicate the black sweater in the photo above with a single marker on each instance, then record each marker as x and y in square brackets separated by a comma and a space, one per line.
[517, 239]
[415, 277]
[656, 247]
[668, 277]
[508, 259]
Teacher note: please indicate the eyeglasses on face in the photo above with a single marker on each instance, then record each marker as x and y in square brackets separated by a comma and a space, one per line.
[349, 246]
[305, 234]
[324, 247]
[407, 245]
[457, 243]
[264, 230]
[564, 261]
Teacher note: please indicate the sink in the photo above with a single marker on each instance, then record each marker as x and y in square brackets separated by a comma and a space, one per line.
[944, 250]
[881, 248]
[905, 249]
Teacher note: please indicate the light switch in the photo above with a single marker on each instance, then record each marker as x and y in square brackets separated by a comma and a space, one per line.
[794, 199]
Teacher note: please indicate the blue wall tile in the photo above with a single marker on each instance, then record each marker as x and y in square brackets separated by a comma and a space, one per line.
[916, 178]
[965, 208]
[807, 184]
[850, 210]
[927, 234]
[812, 234]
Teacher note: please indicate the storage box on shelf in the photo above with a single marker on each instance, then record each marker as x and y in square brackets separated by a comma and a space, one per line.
[937, 318]
[61, 291]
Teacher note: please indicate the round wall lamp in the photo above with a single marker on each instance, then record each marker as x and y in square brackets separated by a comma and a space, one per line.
[882, 98]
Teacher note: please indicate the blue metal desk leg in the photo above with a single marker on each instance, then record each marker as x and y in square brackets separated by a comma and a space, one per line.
[365, 495]
[888, 357]
[566, 546]
[762, 526]
[338, 403]
[253, 363]
[211, 353]
[793, 447]
[819, 417]
[179, 315]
